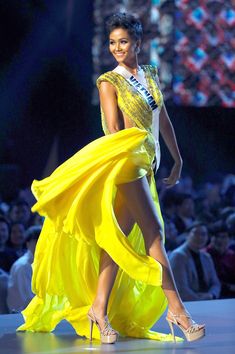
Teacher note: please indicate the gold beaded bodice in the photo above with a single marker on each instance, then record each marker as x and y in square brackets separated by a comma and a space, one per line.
[131, 102]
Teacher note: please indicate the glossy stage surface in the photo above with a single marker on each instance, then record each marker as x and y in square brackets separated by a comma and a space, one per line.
[218, 315]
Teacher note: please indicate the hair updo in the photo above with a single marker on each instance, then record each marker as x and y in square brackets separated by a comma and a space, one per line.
[127, 22]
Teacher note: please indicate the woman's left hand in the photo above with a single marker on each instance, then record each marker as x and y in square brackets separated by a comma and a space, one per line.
[174, 177]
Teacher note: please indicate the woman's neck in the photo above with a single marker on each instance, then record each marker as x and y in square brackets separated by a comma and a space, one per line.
[133, 68]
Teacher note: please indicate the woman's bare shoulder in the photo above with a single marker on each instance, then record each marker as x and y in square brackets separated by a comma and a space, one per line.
[109, 77]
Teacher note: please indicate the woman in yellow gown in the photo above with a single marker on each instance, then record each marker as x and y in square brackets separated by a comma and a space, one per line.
[101, 247]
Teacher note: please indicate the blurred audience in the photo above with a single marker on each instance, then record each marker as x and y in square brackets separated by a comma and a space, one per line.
[17, 238]
[193, 268]
[19, 212]
[171, 236]
[168, 203]
[7, 255]
[19, 285]
[213, 196]
[185, 212]
[224, 260]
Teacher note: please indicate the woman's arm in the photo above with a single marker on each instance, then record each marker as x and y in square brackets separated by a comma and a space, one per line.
[108, 101]
[168, 134]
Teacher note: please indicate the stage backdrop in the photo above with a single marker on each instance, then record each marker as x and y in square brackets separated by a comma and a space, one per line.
[191, 41]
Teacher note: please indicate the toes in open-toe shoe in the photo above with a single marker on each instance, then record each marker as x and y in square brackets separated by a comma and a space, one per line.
[107, 334]
[193, 332]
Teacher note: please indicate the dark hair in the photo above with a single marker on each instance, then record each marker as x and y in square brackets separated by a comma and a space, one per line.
[219, 227]
[125, 21]
[196, 224]
[181, 197]
[33, 233]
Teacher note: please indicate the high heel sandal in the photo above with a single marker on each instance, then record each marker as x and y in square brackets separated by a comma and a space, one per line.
[192, 333]
[107, 335]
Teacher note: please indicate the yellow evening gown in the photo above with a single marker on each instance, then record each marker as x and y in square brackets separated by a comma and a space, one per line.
[77, 201]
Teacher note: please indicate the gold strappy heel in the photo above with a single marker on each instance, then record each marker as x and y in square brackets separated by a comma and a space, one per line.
[192, 333]
[107, 335]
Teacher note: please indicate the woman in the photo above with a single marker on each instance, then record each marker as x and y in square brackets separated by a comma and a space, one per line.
[96, 199]
[17, 239]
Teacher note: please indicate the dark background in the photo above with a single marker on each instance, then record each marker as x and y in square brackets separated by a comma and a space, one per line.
[46, 88]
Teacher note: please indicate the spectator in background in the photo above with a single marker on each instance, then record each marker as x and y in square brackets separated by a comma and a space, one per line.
[224, 213]
[184, 212]
[17, 238]
[7, 255]
[194, 270]
[168, 203]
[202, 210]
[213, 197]
[19, 284]
[224, 260]
[20, 212]
[171, 236]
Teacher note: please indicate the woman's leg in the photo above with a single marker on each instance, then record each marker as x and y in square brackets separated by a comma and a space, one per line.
[134, 204]
[139, 201]
[108, 268]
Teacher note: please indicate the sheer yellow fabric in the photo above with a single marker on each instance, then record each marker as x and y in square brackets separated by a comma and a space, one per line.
[77, 202]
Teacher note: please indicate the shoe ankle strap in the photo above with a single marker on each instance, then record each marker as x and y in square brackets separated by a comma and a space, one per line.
[185, 314]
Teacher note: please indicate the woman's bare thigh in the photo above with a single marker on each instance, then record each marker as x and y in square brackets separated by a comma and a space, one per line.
[123, 214]
[139, 202]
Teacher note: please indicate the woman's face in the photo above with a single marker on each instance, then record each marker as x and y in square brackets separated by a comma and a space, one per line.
[17, 235]
[198, 237]
[123, 46]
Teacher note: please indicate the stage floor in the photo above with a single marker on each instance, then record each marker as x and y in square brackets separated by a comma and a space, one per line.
[218, 315]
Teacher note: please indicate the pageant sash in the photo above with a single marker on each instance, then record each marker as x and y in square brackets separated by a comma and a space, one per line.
[144, 92]
[139, 86]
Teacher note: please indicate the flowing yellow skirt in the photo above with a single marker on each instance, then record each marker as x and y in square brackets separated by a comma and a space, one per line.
[77, 201]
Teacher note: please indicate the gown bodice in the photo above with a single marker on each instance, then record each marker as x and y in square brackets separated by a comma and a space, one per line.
[134, 106]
